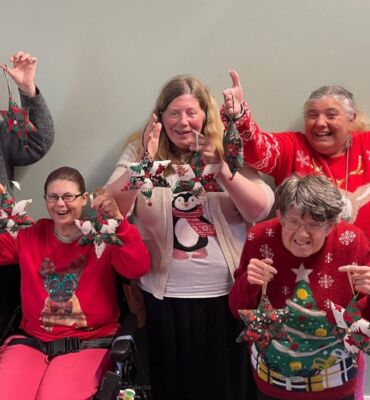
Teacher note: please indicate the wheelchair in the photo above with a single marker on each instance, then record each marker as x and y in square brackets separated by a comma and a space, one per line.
[129, 371]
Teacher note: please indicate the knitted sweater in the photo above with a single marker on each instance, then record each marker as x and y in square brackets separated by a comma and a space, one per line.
[66, 290]
[345, 245]
[284, 153]
[13, 152]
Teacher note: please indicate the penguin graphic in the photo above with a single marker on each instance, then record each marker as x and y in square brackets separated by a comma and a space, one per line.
[190, 227]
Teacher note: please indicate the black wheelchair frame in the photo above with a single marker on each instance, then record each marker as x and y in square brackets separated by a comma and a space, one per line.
[129, 371]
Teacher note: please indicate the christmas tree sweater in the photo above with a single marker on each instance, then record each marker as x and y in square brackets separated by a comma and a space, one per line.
[321, 283]
[282, 154]
[66, 290]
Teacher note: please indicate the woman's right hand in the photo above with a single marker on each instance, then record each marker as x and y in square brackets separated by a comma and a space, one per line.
[2, 189]
[151, 137]
[260, 272]
[233, 97]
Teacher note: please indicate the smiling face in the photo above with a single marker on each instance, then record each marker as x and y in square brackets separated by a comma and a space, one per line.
[327, 125]
[179, 119]
[302, 236]
[64, 213]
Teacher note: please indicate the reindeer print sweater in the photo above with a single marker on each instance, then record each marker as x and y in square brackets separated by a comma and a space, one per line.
[66, 290]
[282, 154]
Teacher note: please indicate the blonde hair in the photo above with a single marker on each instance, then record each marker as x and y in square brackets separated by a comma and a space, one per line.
[212, 128]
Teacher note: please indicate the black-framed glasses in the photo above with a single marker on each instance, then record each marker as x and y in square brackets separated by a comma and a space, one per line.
[66, 197]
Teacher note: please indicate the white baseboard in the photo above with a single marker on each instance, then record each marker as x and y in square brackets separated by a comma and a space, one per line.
[367, 397]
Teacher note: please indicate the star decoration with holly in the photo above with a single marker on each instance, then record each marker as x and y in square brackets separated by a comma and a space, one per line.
[99, 231]
[145, 175]
[352, 328]
[197, 177]
[263, 324]
[17, 121]
[233, 148]
[13, 215]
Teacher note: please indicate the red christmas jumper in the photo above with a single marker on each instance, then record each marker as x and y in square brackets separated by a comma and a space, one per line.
[66, 290]
[345, 245]
[281, 154]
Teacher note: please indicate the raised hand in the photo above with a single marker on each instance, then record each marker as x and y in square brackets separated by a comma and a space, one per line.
[260, 272]
[104, 202]
[233, 97]
[151, 137]
[23, 71]
[204, 146]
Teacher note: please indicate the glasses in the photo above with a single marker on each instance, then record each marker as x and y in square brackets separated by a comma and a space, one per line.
[66, 197]
[294, 225]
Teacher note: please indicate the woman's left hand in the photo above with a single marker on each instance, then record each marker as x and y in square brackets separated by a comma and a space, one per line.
[105, 203]
[203, 145]
[360, 277]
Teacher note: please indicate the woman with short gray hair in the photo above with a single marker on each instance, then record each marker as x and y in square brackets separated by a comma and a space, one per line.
[301, 260]
[314, 195]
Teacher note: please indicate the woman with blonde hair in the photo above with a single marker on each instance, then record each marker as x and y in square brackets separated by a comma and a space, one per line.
[194, 238]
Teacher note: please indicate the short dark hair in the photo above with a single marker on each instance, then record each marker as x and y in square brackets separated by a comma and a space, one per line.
[66, 174]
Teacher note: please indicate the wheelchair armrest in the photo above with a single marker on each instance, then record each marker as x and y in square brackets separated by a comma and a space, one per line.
[121, 345]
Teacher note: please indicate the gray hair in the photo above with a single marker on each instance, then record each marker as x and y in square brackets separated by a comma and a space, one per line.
[339, 93]
[313, 195]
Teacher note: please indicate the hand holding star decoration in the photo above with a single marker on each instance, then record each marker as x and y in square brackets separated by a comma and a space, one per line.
[13, 215]
[17, 119]
[99, 231]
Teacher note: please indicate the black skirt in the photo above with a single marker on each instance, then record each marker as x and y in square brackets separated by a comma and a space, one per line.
[193, 352]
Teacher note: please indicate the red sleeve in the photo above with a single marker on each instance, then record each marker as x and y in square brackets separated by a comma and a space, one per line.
[243, 295]
[8, 249]
[132, 259]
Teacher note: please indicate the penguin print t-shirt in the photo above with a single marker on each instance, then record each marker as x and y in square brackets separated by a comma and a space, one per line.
[198, 267]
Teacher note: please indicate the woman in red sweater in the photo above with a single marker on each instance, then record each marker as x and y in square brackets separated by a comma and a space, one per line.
[335, 142]
[68, 294]
[302, 256]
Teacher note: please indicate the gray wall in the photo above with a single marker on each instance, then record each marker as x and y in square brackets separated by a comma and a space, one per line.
[101, 64]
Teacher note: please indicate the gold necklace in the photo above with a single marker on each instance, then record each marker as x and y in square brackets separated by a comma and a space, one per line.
[346, 212]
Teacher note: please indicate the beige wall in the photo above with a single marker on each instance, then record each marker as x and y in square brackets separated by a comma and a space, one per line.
[101, 64]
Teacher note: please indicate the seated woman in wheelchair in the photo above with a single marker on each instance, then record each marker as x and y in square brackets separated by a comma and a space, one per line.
[68, 294]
